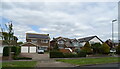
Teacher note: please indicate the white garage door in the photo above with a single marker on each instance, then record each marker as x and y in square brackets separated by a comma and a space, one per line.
[24, 49]
[32, 49]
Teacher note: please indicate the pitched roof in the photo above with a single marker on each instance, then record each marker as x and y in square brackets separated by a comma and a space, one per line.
[86, 39]
[61, 38]
[28, 44]
[34, 35]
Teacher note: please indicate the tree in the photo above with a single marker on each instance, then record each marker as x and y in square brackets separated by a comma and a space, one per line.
[104, 49]
[96, 47]
[19, 43]
[55, 47]
[8, 36]
[87, 48]
[118, 49]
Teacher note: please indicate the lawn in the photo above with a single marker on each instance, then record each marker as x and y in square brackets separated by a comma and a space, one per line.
[87, 61]
[19, 64]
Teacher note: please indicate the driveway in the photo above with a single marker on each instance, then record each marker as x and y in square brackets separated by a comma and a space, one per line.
[43, 60]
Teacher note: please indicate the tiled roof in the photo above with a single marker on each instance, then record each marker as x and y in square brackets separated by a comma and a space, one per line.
[33, 35]
[88, 39]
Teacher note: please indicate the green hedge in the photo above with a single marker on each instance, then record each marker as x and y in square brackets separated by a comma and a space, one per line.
[70, 55]
[6, 51]
[82, 53]
[21, 58]
[15, 49]
[56, 54]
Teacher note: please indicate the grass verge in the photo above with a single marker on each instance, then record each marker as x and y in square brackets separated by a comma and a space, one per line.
[88, 61]
[19, 64]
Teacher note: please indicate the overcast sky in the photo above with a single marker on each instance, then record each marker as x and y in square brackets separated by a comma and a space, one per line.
[66, 19]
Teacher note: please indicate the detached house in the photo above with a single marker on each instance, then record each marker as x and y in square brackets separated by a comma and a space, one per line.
[73, 44]
[91, 40]
[34, 42]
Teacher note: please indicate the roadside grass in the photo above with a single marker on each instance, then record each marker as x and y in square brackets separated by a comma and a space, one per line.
[19, 64]
[88, 61]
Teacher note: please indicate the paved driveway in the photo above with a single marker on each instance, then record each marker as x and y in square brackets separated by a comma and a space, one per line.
[43, 60]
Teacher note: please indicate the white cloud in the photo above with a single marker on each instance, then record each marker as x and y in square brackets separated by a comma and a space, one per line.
[61, 19]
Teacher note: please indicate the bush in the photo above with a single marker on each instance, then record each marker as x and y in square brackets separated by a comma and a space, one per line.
[15, 49]
[70, 55]
[56, 54]
[105, 49]
[21, 58]
[96, 48]
[118, 49]
[6, 51]
[82, 53]
[87, 48]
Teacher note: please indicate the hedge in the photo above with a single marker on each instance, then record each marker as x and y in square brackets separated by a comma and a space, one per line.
[6, 51]
[21, 58]
[15, 49]
[82, 53]
[56, 54]
[70, 55]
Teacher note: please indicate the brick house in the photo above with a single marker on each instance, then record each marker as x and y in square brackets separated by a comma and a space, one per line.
[73, 43]
[36, 41]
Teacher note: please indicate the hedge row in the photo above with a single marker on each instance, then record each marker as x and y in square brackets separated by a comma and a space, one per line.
[15, 49]
[57, 54]
[21, 58]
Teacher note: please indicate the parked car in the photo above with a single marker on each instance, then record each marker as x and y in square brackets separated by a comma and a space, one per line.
[40, 51]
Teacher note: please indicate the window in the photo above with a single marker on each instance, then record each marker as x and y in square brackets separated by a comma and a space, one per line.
[75, 43]
[45, 41]
[34, 40]
[60, 42]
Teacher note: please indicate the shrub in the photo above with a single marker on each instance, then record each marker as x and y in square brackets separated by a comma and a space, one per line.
[82, 53]
[21, 58]
[77, 50]
[118, 49]
[104, 49]
[15, 49]
[96, 47]
[87, 48]
[6, 51]
[56, 54]
[70, 55]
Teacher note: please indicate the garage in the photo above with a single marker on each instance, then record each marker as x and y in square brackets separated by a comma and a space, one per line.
[28, 47]
[24, 49]
[32, 49]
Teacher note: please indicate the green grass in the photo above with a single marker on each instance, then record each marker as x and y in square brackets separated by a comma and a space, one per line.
[87, 61]
[19, 64]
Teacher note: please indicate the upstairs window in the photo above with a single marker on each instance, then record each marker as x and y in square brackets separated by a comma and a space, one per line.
[34, 40]
[45, 41]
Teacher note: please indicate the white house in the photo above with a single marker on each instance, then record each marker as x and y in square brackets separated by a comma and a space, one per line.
[91, 40]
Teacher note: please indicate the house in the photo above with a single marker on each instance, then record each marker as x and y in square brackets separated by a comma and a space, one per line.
[34, 42]
[64, 43]
[73, 44]
[90, 39]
